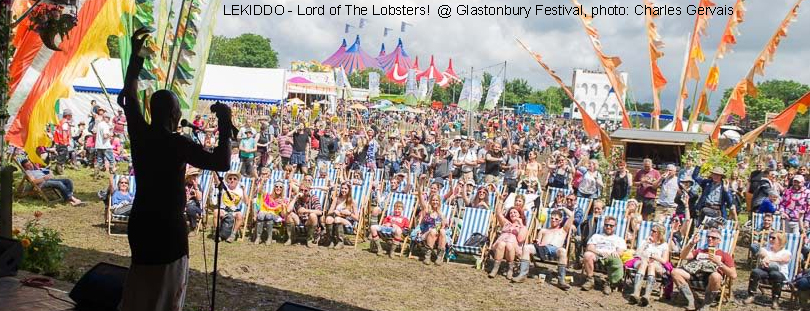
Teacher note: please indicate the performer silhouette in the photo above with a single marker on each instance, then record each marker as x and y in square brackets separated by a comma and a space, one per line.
[158, 236]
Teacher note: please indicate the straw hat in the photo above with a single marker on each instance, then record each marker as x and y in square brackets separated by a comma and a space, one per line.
[232, 173]
[719, 171]
[192, 172]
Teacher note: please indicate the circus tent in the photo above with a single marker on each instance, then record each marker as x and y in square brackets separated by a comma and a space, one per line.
[415, 65]
[398, 56]
[433, 73]
[332, 60]
[398, 73]
[356, 59]
[450, 73]
[382, 52]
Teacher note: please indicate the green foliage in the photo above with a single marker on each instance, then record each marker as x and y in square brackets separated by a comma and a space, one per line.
[42, 252]
[716, 158]
[112, 45]
[774, 96]
[648, 107]
[246, 50]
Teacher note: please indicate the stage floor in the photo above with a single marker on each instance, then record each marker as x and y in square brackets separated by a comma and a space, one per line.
[16, 297]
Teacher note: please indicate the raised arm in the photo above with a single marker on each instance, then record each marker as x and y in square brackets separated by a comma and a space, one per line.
[128, 98]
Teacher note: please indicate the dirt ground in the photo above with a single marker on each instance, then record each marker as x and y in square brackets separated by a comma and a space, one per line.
[262, 277]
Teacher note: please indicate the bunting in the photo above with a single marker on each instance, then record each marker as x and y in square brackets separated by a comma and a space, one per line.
[728, 39]
[589, 124]
[49, 75]
[783, 120]
[609, 63]
[694, 59]
[747, 86]
[656, 52]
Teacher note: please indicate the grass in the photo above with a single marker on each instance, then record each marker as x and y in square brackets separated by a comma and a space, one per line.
[261, 277]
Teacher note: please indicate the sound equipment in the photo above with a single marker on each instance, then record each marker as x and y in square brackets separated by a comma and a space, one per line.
[100, 288]
[289, 306]
[10, 256]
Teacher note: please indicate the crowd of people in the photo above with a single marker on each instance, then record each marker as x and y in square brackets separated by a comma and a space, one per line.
[405, 180]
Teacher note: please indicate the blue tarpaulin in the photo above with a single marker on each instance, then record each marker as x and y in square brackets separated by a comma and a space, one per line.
[530, 108]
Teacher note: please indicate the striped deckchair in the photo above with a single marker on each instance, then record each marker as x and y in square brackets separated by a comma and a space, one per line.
[758, 220]
[619, 204]
[793, 243]
[118, 219]
[644, 231]
[360, 195]
[552, 193]
[727, 243]
[476, 220]
[205, 186]
[236, 164]
[277, 174]
[621, 225]
[245, 203]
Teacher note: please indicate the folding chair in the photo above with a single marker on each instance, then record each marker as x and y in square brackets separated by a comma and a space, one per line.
[204, 180]
[552, 193]
[245, 203]
[727, 243]
[793, 243]
[46, 194]
[476, 220]
[236, 163]
[117, 219]
[360, 196]
[757, 221]
[408, 210]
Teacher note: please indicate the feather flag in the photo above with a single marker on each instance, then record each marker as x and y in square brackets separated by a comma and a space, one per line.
[589, 124]
[746, 139]
[747, 85]
[346, 30]
[403, 25]
[471, 93]
[783, 120]
[494, 92]
[732, 31]
[386, 30]
[363, 23]
[656, 51]
[691, 70]
[51, 75]
[609, 63]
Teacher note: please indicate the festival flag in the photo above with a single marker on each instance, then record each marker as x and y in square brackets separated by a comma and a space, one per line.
[346, 30]
[31, 106]
[746, 139]
[386, 30]
[589, 124]
[655, 46]
[609, 63]
[783, 120]
[363, 22]
[471, 93]
[403, 25]
[411, 88]
[373, 84]
[747, 85]
[695, 57]
[494, 92]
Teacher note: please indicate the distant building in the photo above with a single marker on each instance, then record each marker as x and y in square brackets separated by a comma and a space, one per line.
[592, 91]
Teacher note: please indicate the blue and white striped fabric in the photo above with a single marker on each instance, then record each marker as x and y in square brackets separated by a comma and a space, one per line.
[759, 219]
[447, 213]
[378, 174]
[552, 193]
[321, 194]
[246, 183]
[408, 202]
[644, 231]
[476, 220]
[620, 204]
[236, 163]
[615, 211]
[320, 182]
[276, 174]
[730, 225]
[583, 204]
[359, 195]
[205, 186]
[727, 235]
[445, 189]
[793, 244]
[298, 176]
[621, 225]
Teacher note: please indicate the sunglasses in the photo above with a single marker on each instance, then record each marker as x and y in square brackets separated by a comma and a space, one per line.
[714, 237]
[771, 238]
[123, 183]
[233, 178]
[654, 231]
[556, 219]
[609, 226]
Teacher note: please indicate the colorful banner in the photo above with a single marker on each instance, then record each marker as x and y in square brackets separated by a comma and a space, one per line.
[411, 88]
[494, 92]
[373, 84]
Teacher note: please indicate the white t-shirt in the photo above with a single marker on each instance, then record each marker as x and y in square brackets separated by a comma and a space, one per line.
[648, 249]
[608, 244]
[102, 130]
[770, 255]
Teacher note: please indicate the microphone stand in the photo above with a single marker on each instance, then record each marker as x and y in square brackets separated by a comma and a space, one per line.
[220, 188]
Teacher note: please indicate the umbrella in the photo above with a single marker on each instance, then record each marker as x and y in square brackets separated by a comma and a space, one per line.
[295, 101]
[358, 106]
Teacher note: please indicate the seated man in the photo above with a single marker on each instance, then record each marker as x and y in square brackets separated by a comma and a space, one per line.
[760, 237]
[230, 203]
[45, 180]
[706, 265]
[606, 248]
[549, 245]
[305, 208]
[392, 225]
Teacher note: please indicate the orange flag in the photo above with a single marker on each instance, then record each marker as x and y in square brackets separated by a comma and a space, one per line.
[655, 47]
[713, 78]
[589, 124]
[736, 102]
[783, 120]
[749, 137]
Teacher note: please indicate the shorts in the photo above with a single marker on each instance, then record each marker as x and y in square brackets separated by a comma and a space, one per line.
[298, 158]
[546, 252]
[387, 230]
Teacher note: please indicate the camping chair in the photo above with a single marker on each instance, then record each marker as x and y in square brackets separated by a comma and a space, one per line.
[476, 220]
[23, 190]
[360, 196]
[204, 181]
[545, 225]
[277, 174]
[117, 219]
[757, 221]
[236, 163]
[408, 210]
[619, 204]
[727, 243]
[675, 257]
[793, 244]
[245, 204]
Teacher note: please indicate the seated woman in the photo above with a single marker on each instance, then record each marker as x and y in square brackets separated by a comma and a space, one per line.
[341, 214]
[194, 196]
[510, 241]
[774, 260]
[393, 225]
[432, 228]
[121, 200]
[269, 207]
[650, 260]
[230, 203]
[634, 219]
[481, 199]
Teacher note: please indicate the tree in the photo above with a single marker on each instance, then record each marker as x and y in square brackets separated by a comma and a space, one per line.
[774, 96]
[112, 45]
[246, 50]
[648, 107]
[517, 92]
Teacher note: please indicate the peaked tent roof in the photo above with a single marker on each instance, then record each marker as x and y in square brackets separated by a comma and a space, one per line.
[332, 60]
[450, 73]
[415, 65]
[356, 59]
[382, 52]
[398, 55]
[397, 73]
[433, 73]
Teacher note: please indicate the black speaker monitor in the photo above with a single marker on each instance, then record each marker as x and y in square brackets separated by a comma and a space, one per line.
[100, 288]
[289, 306]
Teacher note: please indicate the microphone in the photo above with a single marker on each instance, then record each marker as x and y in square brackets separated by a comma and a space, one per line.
[185, 123]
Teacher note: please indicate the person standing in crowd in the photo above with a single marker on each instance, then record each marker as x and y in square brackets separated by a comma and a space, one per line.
[646, 191]
[61, 140]
[300, 147]
[622, 182]
[668, 185]
[591, 184]
[247, 153]
[793, 205]
[119, 125]
[104, 153]
[285, 146]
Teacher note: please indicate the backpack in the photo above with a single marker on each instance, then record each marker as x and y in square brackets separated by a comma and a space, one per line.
[226, 226]
[476, 240]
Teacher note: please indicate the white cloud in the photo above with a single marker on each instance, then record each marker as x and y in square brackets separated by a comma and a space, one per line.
[485, 40]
